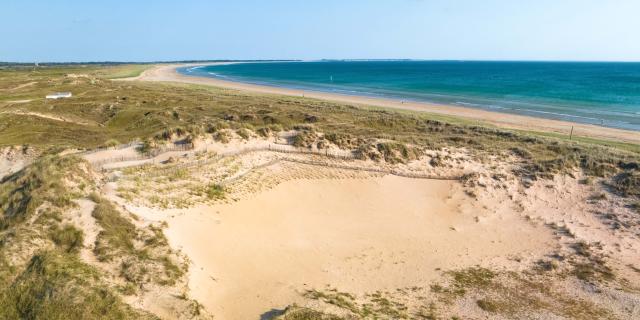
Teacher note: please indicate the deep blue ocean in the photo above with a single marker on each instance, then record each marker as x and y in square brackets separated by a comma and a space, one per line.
[598, 93]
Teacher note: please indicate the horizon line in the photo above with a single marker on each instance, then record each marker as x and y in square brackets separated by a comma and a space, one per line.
[9, 63]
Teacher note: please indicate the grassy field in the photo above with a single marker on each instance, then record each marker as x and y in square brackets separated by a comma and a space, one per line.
[126, 71]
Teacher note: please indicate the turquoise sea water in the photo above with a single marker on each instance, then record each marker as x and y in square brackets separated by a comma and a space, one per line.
[598, 93]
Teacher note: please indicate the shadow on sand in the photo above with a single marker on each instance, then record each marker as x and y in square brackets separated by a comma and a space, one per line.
[271, 314]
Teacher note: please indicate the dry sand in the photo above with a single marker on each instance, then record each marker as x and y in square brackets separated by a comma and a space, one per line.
[169, 73]
[358, 236]
[13, 159]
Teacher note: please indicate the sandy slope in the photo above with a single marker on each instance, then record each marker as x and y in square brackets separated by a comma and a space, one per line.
[168, 73]
[358, 235]
[13, 160]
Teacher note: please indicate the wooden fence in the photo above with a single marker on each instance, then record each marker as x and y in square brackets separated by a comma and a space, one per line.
[231, 153]
[144, 156]
[415, 175]
[118, 147]
[292, 150]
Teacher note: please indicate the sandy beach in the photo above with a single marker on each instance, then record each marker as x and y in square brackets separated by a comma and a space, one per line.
[504, 120]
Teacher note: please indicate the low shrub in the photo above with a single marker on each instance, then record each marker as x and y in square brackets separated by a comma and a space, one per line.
[627, 183]
[215, 191]
[68, 238]
[222, 136]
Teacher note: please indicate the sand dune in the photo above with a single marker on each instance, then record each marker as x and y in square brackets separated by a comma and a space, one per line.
[361, 235]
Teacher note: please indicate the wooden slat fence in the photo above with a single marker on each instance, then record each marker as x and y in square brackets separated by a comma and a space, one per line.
[146, 156]
[399, 173]
[118, 147]
[292, 150]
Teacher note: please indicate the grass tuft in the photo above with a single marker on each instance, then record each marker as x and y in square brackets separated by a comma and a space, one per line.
[68, 238]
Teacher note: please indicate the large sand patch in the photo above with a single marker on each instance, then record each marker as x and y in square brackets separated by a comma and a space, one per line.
[355, 235]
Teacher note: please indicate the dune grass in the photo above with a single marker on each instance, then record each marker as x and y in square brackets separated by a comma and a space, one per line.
[299, 313]
[117, 234]
[24, 191]
[56, 285]
[68, 238]
[143, 255]
[41, 274]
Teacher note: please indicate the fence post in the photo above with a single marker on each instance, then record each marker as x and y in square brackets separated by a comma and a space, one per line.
[571, 134]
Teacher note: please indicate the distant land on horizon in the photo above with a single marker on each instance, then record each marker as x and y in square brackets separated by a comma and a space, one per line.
[45, 63]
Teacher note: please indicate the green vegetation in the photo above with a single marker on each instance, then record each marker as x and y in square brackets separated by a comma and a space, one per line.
[297, 313]
[25, 191]
[243, 133]
[68, 238]
[56, 285]
[391, 152]
[488, 305]
[143, 256]
[125, 71]
[117, 233]
[222, 136]
[377, 305]
[111, 143]
[627, 183]
[41, 275]
[588, 266]
[305, 138]
[627, 146]
[339, 299]
[512, 295]
[215, 191]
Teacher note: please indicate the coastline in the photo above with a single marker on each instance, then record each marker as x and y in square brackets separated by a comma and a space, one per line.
[169, 73]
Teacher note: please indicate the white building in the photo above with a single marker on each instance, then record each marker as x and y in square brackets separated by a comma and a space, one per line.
[59, 95]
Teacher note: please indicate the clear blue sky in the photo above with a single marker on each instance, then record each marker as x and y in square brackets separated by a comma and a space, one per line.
[145, 30]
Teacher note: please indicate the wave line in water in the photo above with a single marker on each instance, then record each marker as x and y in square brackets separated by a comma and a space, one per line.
[596, 93]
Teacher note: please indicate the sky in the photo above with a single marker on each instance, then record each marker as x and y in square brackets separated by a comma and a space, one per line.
[161, 30]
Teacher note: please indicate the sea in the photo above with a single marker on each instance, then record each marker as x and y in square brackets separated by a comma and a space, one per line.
[599, 93]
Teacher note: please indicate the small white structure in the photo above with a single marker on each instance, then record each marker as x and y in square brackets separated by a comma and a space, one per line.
[59, 95]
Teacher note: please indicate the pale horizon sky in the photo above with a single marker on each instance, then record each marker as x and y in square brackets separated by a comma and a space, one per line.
[118, 30]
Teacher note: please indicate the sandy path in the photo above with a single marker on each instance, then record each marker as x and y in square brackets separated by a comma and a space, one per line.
[45, 116]
[359, 236]
[18, 101]
[24, 85]
[85, 220]
[169, 73]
